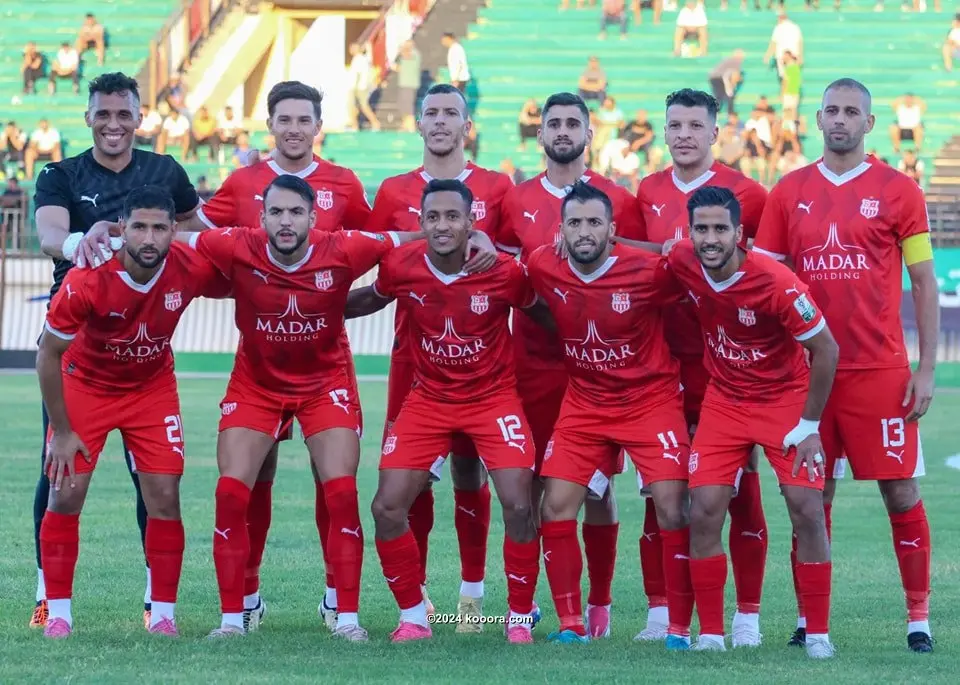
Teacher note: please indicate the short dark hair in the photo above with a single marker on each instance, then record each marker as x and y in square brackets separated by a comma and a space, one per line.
[689, 97]
[291, 183]
[447, 89]
[149, 197]
[584, 192]
[715, 196]
[567, 100]
[450, 185]
[449, 34]
[853, 84]
[114, 82]
[294, 90]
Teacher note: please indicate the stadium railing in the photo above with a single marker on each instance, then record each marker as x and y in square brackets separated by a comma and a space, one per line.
[375, 35]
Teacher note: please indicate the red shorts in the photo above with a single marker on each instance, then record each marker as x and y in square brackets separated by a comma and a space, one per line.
[246, 405]
[587, 442]
[542, 395]
[865, 424]
[148, 419]
[420, 437]
[726, 436]
[694, 378]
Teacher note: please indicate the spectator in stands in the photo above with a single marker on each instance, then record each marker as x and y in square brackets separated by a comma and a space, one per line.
[203, 188]
[613, 12]
[786, 146]
[175, 133]
[44, 146]
[177, 93]
[13, 143]
[203, 131]
[151, 124]
[610, 121]
[625, 166]
[13, 196]
[951, 46]
[318, 145]
[729, 147]
[691, 23]
[580, 3]
[640, 136]
[726, 78]
[471, 142]
[593, 81]
[786, 37]
[92, 35]
[909, 111]
[242, 150]
[65, 65]
[409, 78]
[791, 83]
[655, 5]
[31, 68]
[758, 142]
[229, 126]
[360, 75]
[911, 166]
[456, 62]
[528, 122]
[510, 169]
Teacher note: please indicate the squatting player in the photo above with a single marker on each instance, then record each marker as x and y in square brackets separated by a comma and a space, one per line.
[105, 364]
[464, 383]
[846, 224]
[623, 393]
[756, 319]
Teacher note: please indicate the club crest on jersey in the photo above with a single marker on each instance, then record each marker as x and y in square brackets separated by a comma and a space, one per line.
[390, 444]
[694, 462]
[747, 317]
[620, 302]
[479, 303]
[869, 208]
[173, 301]
[323, 279]
[478, 209]
[325, 199]
[228, 408]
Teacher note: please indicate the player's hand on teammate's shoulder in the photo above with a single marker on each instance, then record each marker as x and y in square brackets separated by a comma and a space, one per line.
[920, 392]
[668, 245]
[560, 248]
[481, 253]
[95, 247]
[63, 448]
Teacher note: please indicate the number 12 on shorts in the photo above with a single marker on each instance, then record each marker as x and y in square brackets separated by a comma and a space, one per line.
[510, 430]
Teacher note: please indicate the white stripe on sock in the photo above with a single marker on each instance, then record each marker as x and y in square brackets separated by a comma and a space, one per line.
[60, 608]
[41, 586]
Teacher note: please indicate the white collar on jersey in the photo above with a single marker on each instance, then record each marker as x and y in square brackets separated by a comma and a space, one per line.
[303, 173]
[462, 176]
[839, 179]
[142, 287]
[446, 279]
[559, 193]
[722, 285]
[590, 278]
[289, 268]
[687, 188]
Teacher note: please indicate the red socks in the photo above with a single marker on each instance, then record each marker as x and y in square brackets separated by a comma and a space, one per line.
[420, 520]
[471, 518]
[521, 564]
[911, 542]
[164, 548]
[564, 566]
[322, 517]
[651, 558]
[231, 542]
[748, 543]
[676, 569]
[346, 540]
[600, 548]
[709, 577]
[827, 510]
[814, 581]
[401, 569]
[59, 549]
[259, 512]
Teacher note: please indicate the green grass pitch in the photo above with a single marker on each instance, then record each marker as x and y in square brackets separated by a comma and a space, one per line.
[110, 645]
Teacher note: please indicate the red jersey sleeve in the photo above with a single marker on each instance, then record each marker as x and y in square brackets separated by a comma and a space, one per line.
[798, 313]
[381, 217]
[506, 238]
[357, 216]
[667, 287]
[520, 292]
[913, 211]
[221, 209]
[385, 286]
[497, 212]
[628, 217]
[771, 237]
[71, 306]
[208, 280]
[752, 198]
[362, 250]
[218, 247]
[641, 222]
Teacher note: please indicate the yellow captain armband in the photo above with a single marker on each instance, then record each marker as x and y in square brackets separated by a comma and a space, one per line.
[917, 248]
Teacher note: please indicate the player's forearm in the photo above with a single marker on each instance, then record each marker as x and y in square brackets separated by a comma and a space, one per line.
[404, 237]
[540, 314]
[656, 248]
[192, 224]
[51, 240]
[51, 387]
[363, 302]
[824, 355]
[926, 303]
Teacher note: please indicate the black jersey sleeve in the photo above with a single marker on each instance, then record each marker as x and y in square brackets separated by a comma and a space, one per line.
[184, 194]
[53, 188]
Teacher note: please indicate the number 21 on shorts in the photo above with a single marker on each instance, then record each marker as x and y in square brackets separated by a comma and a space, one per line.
[174, 427]
[510, 426]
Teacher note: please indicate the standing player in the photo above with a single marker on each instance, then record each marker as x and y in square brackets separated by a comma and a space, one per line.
[105, 364]
[690, 131]
[81, 192]
[464, 383]
[624, 392]
[532, 219]
[756, 320]
[444, 123]
[846, 224]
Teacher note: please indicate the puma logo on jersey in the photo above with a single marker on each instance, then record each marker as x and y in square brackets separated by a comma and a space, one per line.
[413, 210]
[69, 291]
[911, 543]
[119, 315]
[672, 457]
[178, 450]
[355, 533]
[222, 533]
[419, 298]
[519, 579]
[260, 274]
[91, 200]
[561, 295]
[469, 512]
[658, 209]
[532, 217]
[805, 207]
[392, 580]
[519, 445]
[696, 300]
[258, 197]
[681, 557]
[792, 290]
[649, 536]
[896, 455]
[751, 534]
[546, 555]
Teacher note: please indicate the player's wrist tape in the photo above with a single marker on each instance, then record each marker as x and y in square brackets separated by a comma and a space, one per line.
[70, 245]
[805, 428]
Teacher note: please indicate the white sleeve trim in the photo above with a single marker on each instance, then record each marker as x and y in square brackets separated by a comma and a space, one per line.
[204, 219]
[813, 331]
[775, 255]
[60, 334]
[378, 293]
[536, 298]
[192, 241]
[507, 248]
[394, 237]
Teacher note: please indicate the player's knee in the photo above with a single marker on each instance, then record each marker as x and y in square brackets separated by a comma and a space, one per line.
[389, 517]
[706, 513]
[554, 508]
[161, 495]
[67, 500]
[518, 520]
[899, 496]
[466, 473]
[805, 506]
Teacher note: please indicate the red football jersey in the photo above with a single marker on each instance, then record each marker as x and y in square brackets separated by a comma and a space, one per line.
[290, 317]
[751, 324]
[532, 219]
[121, 330]
[341, 200]
[459, 324]
[663, 206]
[397, 207]
[843, 235]
[611, 325]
